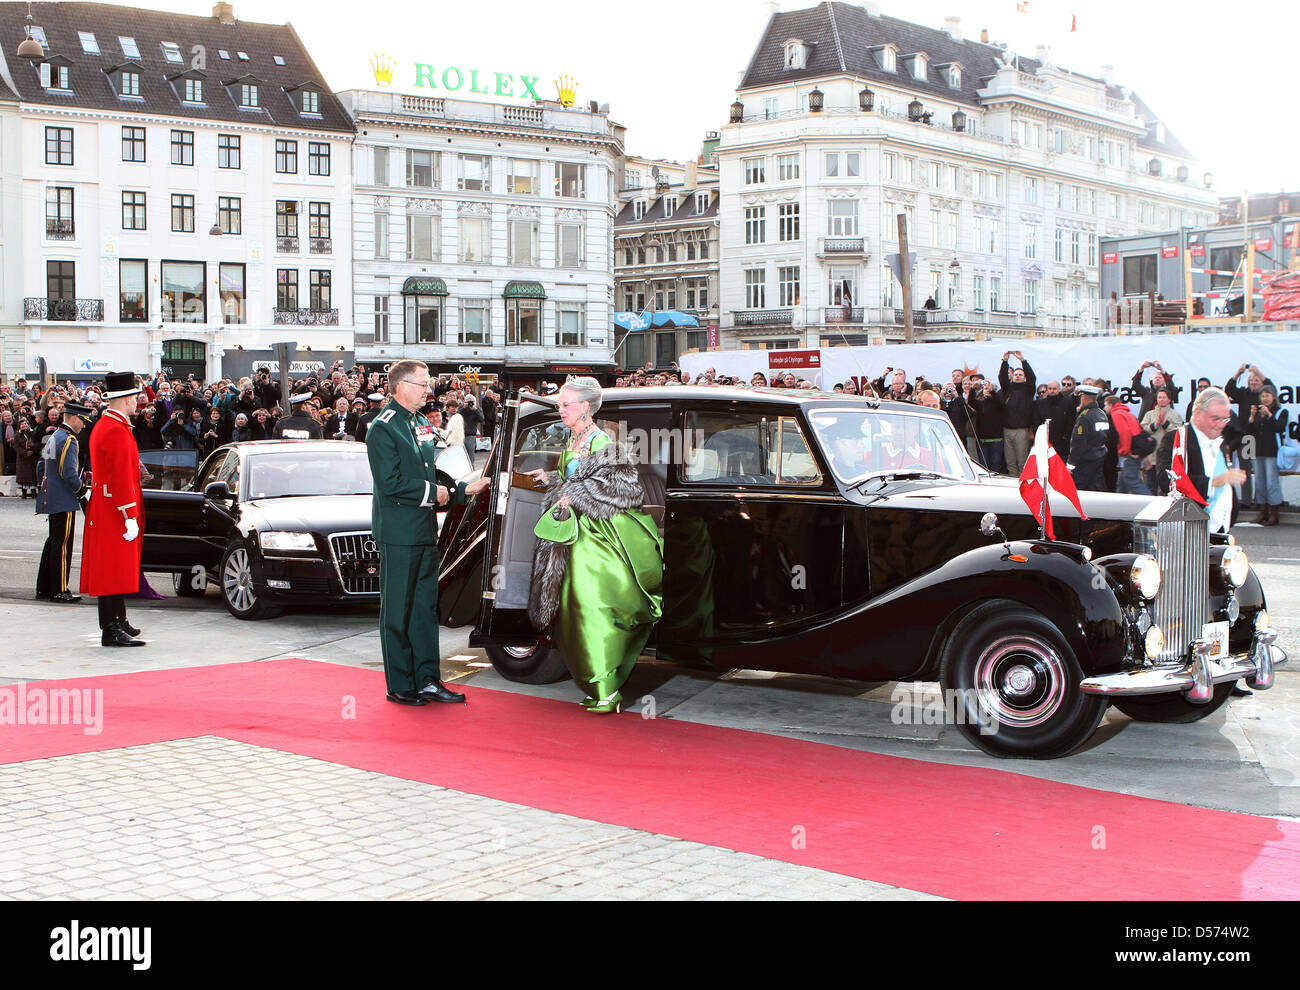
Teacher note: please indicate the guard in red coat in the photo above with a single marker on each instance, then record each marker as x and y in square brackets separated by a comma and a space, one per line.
[110, 551]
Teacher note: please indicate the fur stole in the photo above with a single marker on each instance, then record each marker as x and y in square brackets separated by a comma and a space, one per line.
[604, 484]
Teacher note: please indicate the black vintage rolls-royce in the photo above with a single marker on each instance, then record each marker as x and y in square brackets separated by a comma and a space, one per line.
[834, 535]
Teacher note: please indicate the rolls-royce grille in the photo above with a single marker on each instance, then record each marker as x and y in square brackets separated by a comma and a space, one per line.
[356, 555]
[1183, 552]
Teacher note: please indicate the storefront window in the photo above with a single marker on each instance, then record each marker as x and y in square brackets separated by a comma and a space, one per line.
[183, 297]
[231, 280]
[523, 321]
[424, 318]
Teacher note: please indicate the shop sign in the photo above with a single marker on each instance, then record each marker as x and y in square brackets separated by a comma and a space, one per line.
[454, 79]
[1264, 244]
[779, 360]
[1111, 258]
[1169, 252]
[1197, 250]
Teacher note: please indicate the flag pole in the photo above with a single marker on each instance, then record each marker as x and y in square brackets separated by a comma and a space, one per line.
[1046, 475]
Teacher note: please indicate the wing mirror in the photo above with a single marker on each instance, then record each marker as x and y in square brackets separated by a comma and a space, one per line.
[989, 526]
[218, 491]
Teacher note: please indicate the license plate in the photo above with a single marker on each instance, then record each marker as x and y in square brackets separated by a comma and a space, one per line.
[1216, 634]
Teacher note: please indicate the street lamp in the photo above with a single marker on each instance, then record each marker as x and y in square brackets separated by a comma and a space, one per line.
[914, 110]
[959, 121]
[866, 100]
[29, 48]
[816, 100]
[737, 112]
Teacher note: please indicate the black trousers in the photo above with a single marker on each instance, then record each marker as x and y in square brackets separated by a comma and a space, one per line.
[56, 558]
[1091, 477]
[112, 609]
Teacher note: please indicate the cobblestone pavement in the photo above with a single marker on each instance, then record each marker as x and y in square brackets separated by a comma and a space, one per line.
[208, 818]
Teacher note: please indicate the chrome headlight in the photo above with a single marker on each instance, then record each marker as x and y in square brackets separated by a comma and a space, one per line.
[1145, 577]
[278, 540]
[1236, 566]
[1154, 642]
[1261, 619]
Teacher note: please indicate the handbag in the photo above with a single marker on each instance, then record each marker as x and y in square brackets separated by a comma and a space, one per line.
[1142, 444]
[556, 528]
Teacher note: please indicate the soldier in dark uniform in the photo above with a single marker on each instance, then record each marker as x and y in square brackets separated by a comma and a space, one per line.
[59, 495]
[376, 407]
[298, 426]
[1088, 442]
[408, 488]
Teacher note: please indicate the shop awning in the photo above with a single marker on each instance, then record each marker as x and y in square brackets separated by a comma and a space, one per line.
[524, 290]
[663, 318]
[422, 285]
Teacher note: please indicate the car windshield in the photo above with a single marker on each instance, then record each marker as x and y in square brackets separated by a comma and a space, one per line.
[862, 443]
[285, 474]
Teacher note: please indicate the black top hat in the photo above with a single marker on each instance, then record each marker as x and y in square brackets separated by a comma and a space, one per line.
[120, 383]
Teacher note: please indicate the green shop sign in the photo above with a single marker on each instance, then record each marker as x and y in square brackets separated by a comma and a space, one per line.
[453, 79]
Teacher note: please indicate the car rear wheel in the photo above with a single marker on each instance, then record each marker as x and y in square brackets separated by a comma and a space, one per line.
[1014, 684]
[192, 585]
[240, 575]
[534, 664]
[1172, 709]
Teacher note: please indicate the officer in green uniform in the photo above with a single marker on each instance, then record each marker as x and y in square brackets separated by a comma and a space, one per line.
[408, 488]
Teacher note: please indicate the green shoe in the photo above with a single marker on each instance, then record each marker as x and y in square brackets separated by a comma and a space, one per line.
[614, 703]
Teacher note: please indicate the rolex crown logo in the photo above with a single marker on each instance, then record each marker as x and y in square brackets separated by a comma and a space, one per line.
[383, 67]
[566, 88]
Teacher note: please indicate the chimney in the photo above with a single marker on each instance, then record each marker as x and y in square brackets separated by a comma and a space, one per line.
[773, 8]
[1044, 55]
[224, 13]
[872, 8]
[1108, 74]
[952, 27]
[692, 177]
[984, 36]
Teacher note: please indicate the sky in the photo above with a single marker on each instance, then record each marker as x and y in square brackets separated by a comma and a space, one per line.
[1222, 76]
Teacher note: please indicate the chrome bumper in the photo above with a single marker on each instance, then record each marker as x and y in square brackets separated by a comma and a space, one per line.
[1197, 677]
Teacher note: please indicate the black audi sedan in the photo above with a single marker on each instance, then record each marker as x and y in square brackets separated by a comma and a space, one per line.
[835, 535]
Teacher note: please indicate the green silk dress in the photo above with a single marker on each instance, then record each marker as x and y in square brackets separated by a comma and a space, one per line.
[612, 593]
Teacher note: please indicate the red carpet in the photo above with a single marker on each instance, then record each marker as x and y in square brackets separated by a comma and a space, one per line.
[954, 831]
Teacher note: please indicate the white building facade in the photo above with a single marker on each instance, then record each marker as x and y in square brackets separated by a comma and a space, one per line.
[185, 196]
[1008, 170]
[483, 234]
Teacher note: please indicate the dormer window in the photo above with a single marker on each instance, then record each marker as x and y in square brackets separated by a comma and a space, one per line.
[920, 66]
[638, 209]
[796, 54]
[193, 90]
[54, 73]
[310, 101]
[886, 57]
[249, 96]
[171, 51]
[701, 202]
[954, 77]
[130, 85]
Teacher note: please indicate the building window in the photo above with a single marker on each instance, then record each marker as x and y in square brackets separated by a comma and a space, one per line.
[381, 166]
[1031, 189]
[1074, 247]
[522, 243]
[755, 224]
[249, 96]
[889, 167]
[951, 220]
[1031, 240]
[132, 291]
[954, 77]
[183, 296]
[133, 211]
[788, 221]
[570, 180]
[286, 218]
[310, 101]
[702, 202]
[1140, 275]
[230, 214]
[228, 151]
[54, 76]
[319, 289]
[474, 173]
[886, 287]
[1030, 296]
[1092, 250]
[918, 67]
[419, 238]
[665, 295]
[638, 209]
[842, 218]
[421, 169]
[1116, 207]
[286, 157]
[193, 90]
[570, 245]
[171, 51]
[183, 213]
[523, 321]
[852, 164]
[522, 177]
[58, 146]
[129, 48]
[571, 325]
[788, 285]
[977, 293]
[381, 319]
[755, 170]
[318, 158]
[755, 288]
[286, 288]
[61, 287]
[832, 169]
[318, 220]
[474, 324]
[1058, 246]
[133, 146]
[697, 293]
[670, 206]
[230, 279]
[129, 83]
[381, 236]
[787, 167]
[182, 147]
[475, 239]
[995, 293]
[888, 59]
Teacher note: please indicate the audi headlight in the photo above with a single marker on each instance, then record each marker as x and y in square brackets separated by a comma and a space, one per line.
[277, 540]
[1155, 642]
[1236, 566]
[1145, 577]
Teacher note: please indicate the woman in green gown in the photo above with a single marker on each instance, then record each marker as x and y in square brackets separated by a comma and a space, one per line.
[600, 594]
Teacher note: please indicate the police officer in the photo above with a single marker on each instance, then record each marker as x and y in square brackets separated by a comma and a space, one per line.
[299, 425]
[376, 407]
[1088, 442]
[58, 495]
[408, 487]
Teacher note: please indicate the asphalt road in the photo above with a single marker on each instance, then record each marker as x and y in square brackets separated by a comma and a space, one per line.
[1245, 757]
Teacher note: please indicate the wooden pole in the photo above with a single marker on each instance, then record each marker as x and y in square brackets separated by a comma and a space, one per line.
[905, 277]
[1248, 313]
[1190, 309]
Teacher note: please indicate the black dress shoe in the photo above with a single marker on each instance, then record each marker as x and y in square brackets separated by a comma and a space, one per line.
[65, 598]
[40, 598]
[437, 691]
[115, 635]
[407, 698]
[128, 628]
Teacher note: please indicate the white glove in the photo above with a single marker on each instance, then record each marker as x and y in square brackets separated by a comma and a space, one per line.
[132, 530]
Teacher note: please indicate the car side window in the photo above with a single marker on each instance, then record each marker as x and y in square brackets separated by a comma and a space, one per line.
[540, 445]
[211, 471]
[746, 448]
[229, 473]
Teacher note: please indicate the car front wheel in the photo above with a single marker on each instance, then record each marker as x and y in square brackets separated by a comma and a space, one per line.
[534, 664]
[1013, 684]
[239, 579]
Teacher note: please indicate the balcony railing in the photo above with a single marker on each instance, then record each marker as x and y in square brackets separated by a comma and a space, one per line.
[763, 317]
[842, 314]
[844, 245]
[64, 310]
[286, 245]
[321, 245]
[60, 230]
[305, 317]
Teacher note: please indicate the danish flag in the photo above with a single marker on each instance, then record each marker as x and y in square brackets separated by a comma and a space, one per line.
[1044, 470]
[1179, 470]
